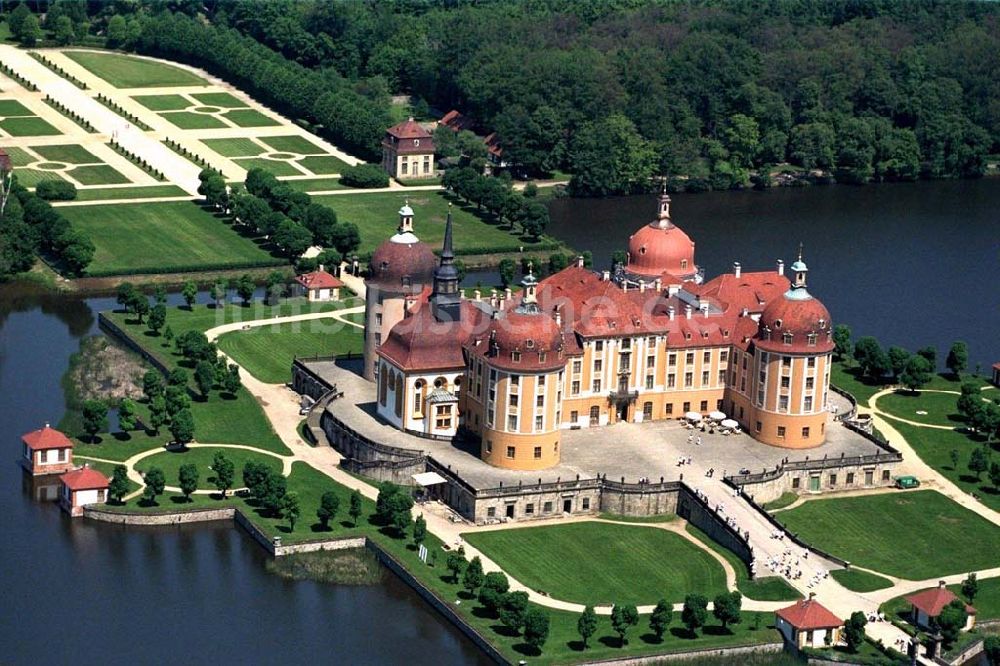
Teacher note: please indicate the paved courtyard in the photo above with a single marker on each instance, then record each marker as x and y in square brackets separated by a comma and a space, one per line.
[630, 450]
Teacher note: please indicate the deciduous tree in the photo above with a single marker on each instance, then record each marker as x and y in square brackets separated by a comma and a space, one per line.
[854, 630]
[182, 426]
[695, 612]
[473, 576]
[586, 625]
[155, 483]
[95, 418]
[290, 509]
[513, 609]
[958, 358]
[187, 477]
[355, 509]
[127, 415]
[189, 292]
[623, 618]
[536, 627]
[660, 618]
[225, 472]
[726, 608]
[118, 486]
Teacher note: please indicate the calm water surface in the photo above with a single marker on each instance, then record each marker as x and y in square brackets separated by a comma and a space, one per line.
[80, 592]
[912, 264]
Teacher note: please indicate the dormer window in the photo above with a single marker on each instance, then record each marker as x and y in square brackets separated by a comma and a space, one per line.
[684, 263]
[530, 344]
[416, 142]
[787, 338]
[515, 356]
[704, 334]
[811, 339]
[541, 357]
[777, 323]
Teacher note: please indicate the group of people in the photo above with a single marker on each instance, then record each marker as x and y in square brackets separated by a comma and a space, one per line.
[683, 460]
[695, 440]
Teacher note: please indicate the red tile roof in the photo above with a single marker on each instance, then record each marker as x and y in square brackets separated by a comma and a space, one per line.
[402, 267]
[46, 438]
[409, 129]
[319, 280]
[809, 614]
[800, 319]
[420, 342]
[84, 478]
[534, 336]
[933, 601]
[454, 120]
[750, 291]
[493, 146]
[655, 249]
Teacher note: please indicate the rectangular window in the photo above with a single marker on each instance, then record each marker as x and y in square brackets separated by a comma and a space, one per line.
[427, 165]
[647, 410]
[688, 379]
[539, 401]
[724, 355]
[541, 378]
[786, 382]
[599, 346]
[586, 504]
[489, 446]
[796, 482]
[650, 361]
[704, 405]
[62, 455]
[443, 424]
[510, 452]
[491, 512]
[670, 408]
[529, 508]
[833, 479]
[811, 362]
[538, 452]
[850, 478]
[577, 367]
[574, 416]
[671, 380]
[809, 383]
[513, 398]
[706, 357]
[597, 386]
[406, 167]
[722, 377]
[649, 382]
[757, 426]
[786, 361]
[689, 358]
[512, 422]
[515, 380]
[672, 359]
[783, 403]
[598, 365]
[781, 432]
[885, 475]
[547, 507]
[515, 356]
[808, 403]
[626, 343]
[538, 422]
[574, 387]
[704, 378]
[44, 456]
[650, 342]
[687, 407]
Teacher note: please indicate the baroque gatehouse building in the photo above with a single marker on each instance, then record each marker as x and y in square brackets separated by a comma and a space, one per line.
[579, 349]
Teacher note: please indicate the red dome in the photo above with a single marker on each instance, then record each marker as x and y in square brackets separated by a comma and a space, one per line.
[523, 341]
[660, 248]
[402, 264]
[798, 314]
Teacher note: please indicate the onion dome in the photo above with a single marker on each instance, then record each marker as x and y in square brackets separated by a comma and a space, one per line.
[402, 263]
[660, 247]
[796, 322]
[525, 339]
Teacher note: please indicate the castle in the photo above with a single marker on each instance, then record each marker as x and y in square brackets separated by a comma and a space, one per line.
[580, 349]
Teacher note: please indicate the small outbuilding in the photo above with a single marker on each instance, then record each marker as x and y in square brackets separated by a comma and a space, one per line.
[807, 623]
[318, 286]
[81, 487]
[928, 604]
[46, 451]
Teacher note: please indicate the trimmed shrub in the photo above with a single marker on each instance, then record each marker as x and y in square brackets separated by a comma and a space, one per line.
[56, 190]
[365, 176]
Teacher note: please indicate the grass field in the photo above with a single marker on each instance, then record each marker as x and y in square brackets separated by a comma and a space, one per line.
[225, 100]
[123, 71]
[171, 461]
[848, 378]
[238, 147]
[376, 217]
[598, 563]
[315, 184]
[29, 126]
[267, 352]
[163, 102]
[11, 107]
[293, 143]
[31, 177]
[97, 174]
[914, 535]
[18, 156]
[765, 588]
[249, 118]
[941, 408]
[323, 165]
[69, 153]
[276, 167]
[193, 121]
[135, 192]
[860, 581]
[161, 237]
[786, 499]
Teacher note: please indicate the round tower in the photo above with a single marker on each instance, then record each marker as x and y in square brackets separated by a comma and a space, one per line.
[400, 269]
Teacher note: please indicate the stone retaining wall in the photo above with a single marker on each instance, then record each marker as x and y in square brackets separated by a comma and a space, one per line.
[730, 653]
[112, 329]
[95, 512]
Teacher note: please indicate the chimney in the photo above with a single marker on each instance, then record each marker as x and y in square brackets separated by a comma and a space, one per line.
[322, 268]
[687, 311]
[671, 311]
[624, 285]
[941, 584]
[704, 308]
[642, 286]
[781, 267]
[558, 316]
[507, 294]
[606, 275]
[737, 269]
[658, 284]
[477, 295]
[579, 261]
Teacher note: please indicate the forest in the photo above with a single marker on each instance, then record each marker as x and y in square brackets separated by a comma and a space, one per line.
[710, 94]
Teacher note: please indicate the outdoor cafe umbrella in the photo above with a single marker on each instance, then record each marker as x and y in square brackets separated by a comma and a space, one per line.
[716, 416]
[693, 416]
[730, 423]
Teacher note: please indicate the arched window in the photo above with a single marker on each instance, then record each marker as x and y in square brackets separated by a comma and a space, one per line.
[441, 382]
[399, 395]
[418, 397]
[383, 385]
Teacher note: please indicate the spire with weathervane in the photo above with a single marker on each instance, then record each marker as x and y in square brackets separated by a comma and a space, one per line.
[445, 298]
[798, 291]
[529, 301]
[663, 208]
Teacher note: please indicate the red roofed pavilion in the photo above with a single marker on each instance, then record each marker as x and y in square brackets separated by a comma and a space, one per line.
[928, 604]
[408, 151]
[46, 451]
[808, 623]
[81, 487]
[319, 286]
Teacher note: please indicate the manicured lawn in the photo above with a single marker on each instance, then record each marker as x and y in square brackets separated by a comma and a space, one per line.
[136, 192]
[315, 184]
[163, 102]
[941, 408]
[293, 143]
[322, 165]
[914, 535]
[860, 581]
[170, 462]
[234, 147]
[162, 237]
[986, 601]
[786, 499]
[376, 216]
[116, 446]
[934, 446]
[642, 520]
[12, 107]
[97, 174]
[124, 71]
[848, 378]
[193, 121]
[250, 118]
[31, 177]
[69, 153]
[599, 563]
[222, 99]
[267, 352]
[765, 588]
[276, 167]
[18, 156]
[30, 126]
